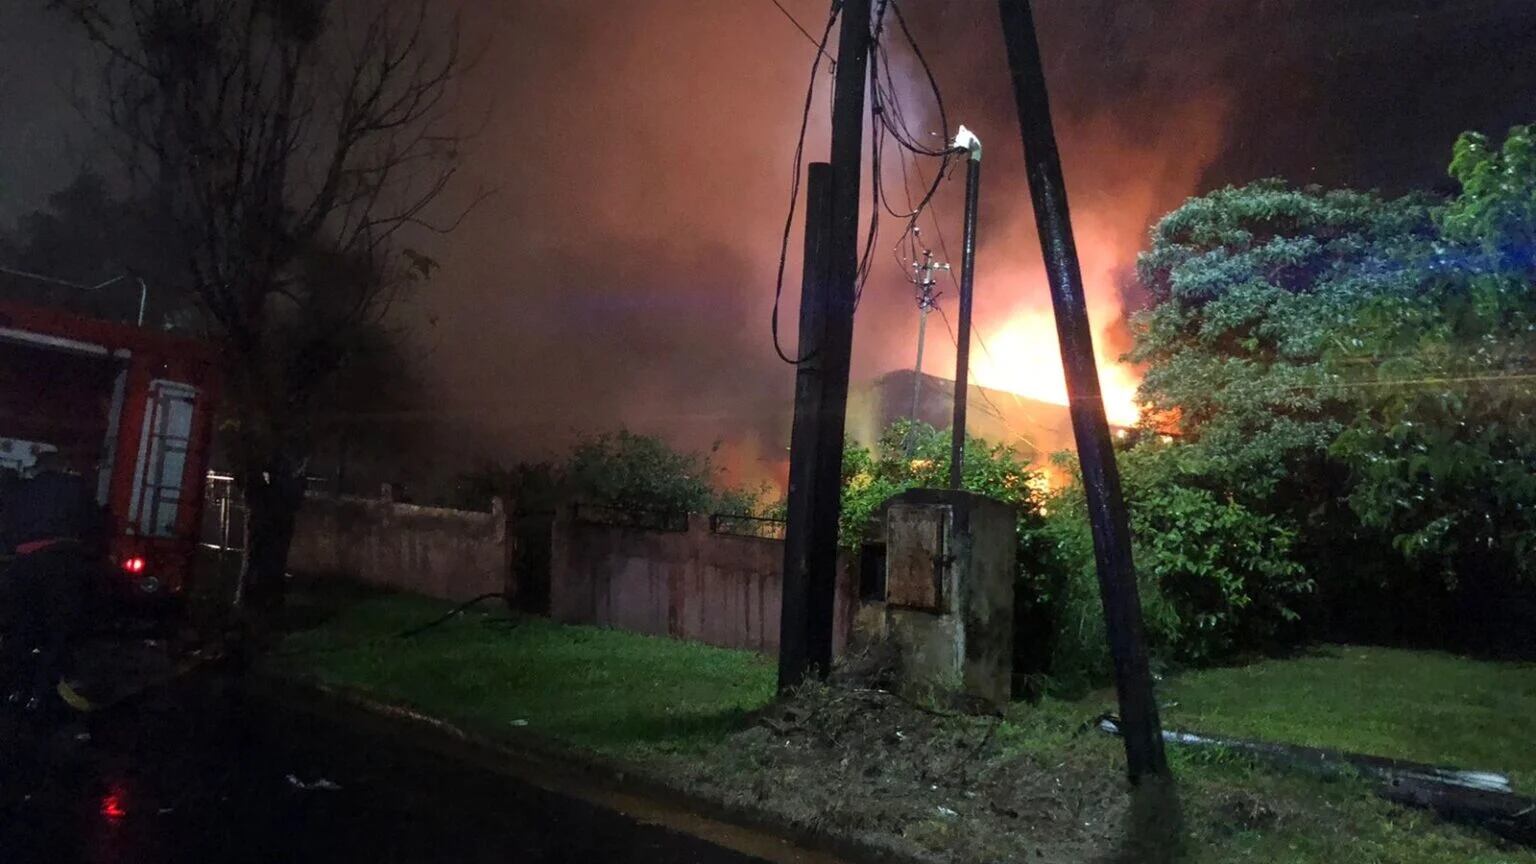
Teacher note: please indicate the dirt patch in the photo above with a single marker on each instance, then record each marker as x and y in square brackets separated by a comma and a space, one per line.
[863, 763]
[1240, 811]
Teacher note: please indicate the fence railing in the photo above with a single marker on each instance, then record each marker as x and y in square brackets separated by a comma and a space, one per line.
[224, 525]
[747, 526]
[671, 521]
[676, 521]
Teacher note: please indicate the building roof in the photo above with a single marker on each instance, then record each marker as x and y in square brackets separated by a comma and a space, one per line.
[1035, 428]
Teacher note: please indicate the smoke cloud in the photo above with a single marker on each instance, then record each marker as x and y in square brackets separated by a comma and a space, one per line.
[622, 276]
[624, 273]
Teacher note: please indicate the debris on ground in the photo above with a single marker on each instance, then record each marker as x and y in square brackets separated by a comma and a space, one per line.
[320, 785]
[918, 781]
[1484, 799]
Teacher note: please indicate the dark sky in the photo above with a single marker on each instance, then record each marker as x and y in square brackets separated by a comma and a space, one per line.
[623, 272]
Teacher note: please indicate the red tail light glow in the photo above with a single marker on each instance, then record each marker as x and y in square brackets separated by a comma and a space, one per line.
[134, 565]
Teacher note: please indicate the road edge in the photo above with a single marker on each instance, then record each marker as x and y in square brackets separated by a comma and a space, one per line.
[594, 777]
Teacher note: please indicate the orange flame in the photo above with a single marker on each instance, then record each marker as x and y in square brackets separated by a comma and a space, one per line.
[1126, 180]
[1024, 357]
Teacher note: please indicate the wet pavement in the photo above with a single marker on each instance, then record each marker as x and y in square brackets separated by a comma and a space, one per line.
[202, 771]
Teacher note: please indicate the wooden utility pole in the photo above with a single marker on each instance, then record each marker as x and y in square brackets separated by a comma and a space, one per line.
[804, 519]
[821, 388]
[1101, 477]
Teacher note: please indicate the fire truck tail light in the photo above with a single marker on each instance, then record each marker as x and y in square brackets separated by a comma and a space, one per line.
[134, 565]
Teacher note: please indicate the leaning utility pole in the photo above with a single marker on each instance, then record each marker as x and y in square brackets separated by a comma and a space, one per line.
[821, 395]
[966, 140]
[1101, 477]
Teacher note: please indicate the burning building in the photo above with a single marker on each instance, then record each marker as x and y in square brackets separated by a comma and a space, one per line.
[1034, 427]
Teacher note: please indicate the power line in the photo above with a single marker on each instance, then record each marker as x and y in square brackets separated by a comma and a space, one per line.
[794, 187]
[888, 118]
[820, 46]
[982, 391]
[938, 225]
[898, 130]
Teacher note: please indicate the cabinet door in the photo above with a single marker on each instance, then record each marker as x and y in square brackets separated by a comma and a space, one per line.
[916, 557]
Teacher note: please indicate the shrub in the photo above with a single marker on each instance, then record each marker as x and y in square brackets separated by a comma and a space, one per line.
[1215, 578]
[914, 455]
[622, 469]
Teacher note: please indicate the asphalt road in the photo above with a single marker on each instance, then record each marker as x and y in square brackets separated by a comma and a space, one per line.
[203, 772]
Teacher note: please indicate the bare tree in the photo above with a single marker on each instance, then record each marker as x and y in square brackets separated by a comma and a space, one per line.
[290, 147]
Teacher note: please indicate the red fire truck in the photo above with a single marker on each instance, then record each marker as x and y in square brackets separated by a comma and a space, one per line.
[130, 409]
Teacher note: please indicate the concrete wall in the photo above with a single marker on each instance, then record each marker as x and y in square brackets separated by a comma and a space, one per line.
[453, 554]
[720, 589]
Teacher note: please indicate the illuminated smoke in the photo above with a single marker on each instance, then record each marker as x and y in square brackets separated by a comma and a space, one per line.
[1137, 181]
[623, 276]
[1130, 155]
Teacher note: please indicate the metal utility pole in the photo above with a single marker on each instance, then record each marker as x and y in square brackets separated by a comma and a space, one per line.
[821, 385]
[1101, 478]
[926, 301]
[965, 139]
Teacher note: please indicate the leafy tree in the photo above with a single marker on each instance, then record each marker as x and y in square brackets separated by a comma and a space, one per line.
[1250, 288]
[1442, 451]
[1252, 291]
[1496, 210]
[1359, 370]
[761, 501]
[287, 147]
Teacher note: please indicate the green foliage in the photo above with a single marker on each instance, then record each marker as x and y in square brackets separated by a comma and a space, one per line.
[1215, 577]
[1359, 369]
[1496, 210]
[622, 469]
[1443, 443]
[761, 501]
[639, 472]
[1250, 287]
[913, 455]
[1441, 455]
